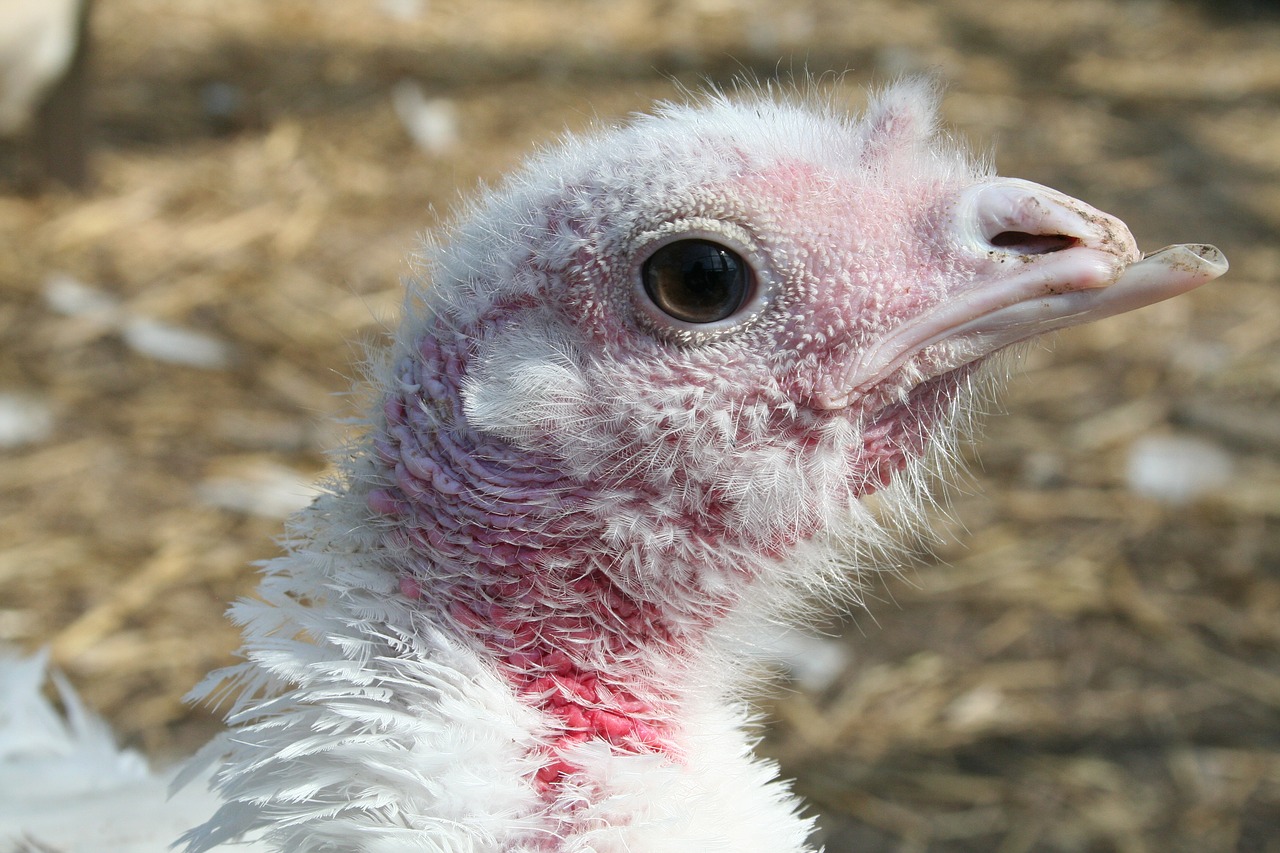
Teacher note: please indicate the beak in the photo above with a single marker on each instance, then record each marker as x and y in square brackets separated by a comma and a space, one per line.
[1160, 275]
[1047, 261]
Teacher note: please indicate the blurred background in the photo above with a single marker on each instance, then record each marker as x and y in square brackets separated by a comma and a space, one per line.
[1089, 657]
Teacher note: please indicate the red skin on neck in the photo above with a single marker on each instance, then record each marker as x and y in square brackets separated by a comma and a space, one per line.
[505, 547]
[528, 578]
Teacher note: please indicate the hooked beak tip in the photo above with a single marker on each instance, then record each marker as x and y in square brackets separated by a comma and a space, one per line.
[1191, 258]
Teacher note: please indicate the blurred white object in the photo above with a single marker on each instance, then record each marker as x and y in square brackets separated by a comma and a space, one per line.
[813, 663]
[73, 298]
[64, 784]
[1177, 469]
[403, 10]
[976, 709]
[23, 420]
[76, 753]
[174, 344]
[37, 41]
[145, 336]
[268, 490]
[432, 123]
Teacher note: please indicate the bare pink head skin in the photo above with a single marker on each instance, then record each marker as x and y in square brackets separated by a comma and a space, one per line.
[633, 413]
[587, 485]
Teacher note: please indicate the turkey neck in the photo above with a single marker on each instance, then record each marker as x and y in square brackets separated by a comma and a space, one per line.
[598, 624]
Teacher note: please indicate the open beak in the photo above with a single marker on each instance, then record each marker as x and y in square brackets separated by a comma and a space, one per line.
[1047, 261]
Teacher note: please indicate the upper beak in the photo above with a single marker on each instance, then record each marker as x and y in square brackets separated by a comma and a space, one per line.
[1050, 262]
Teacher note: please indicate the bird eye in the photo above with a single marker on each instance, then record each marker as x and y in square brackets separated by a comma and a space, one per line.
[696, 281]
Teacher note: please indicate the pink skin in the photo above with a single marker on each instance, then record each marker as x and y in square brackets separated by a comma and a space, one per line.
[524, 560]
[873, 314]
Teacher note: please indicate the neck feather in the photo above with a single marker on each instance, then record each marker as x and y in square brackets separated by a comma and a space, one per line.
[600, 628]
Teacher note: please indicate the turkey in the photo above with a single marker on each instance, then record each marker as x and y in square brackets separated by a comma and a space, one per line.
[631, 416]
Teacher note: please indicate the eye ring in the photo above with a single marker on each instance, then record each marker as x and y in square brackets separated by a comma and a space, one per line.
[698, 280]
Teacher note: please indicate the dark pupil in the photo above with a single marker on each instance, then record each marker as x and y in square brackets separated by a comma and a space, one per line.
[696, 281]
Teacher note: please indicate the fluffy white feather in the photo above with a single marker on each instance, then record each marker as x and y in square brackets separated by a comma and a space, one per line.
[66, 787]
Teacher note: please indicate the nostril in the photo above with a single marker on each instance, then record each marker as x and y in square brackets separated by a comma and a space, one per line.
[1023, 243]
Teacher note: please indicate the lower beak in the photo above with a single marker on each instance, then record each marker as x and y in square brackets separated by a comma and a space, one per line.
[1158, 276]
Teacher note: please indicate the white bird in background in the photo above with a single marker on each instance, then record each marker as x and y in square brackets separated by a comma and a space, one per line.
[43, 83]
[37, 42]
[629, 418]
[65, 787]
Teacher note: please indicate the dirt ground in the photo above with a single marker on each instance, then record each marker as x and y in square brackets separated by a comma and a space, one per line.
[1076, 666]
